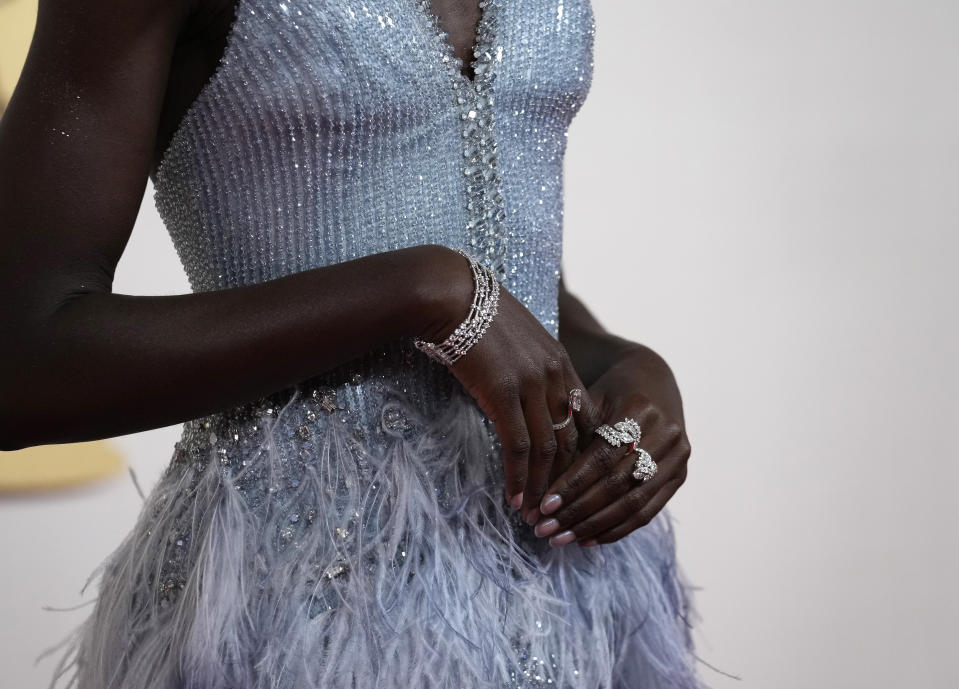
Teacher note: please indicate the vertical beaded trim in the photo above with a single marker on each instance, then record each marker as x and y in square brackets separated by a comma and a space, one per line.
[486, 233]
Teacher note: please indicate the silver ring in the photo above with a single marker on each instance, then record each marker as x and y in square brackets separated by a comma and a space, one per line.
[575, 398]
[628, 432]
[644, 468]
[621, 433]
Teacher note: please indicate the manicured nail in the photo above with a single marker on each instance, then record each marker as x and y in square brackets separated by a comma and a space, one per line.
[546, 528]
[516, 501]
[588, 542]
[562, 538]
[550, 504]
[532, 516]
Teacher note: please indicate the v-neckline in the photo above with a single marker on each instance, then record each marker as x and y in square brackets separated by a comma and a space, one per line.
[486, 235]
[476, 50]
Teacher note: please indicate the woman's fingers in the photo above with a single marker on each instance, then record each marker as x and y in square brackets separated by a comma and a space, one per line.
[587, 419]
[564, 410]
[543, 445]
[594, 462]
[567, 444]
[510, 423]
[639, 517]
[617, 503]
[616, 499]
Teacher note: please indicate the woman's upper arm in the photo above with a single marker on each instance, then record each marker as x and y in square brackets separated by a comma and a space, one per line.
[76, 146]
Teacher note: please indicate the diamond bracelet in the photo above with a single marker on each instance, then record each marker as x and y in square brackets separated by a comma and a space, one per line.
[484, 307]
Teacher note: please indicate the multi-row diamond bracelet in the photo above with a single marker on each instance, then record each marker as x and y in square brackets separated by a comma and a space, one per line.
[484, 307]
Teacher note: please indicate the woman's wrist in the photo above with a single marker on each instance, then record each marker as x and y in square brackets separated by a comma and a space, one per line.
[593, 352]
[442, 285]
[469, 331]
[649, 373]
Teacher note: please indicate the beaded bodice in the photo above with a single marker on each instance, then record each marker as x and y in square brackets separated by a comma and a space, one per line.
[333, 130]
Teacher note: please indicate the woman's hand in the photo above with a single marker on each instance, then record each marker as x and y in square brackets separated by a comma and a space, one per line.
[520, 376]
[597, 500]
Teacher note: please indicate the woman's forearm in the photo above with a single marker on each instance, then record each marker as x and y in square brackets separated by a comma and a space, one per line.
[105, 364]
[592, 348]
[79, 362]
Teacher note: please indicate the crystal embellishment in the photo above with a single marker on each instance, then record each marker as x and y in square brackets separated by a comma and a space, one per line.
[629, 430]
[644, 468]
[486, 234]
[621, 433]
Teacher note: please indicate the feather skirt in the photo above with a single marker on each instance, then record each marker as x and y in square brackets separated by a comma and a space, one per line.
[287, 547]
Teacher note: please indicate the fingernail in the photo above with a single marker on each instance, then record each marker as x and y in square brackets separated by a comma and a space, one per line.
[532, 516]
[551, 503]
[563, 538]
[546, 528]
[588, 543]
[516, 501]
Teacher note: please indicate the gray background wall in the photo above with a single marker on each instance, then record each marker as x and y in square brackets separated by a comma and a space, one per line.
[770, 190]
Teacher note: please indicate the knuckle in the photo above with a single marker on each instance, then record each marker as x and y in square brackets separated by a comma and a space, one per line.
[651, 414]
[673, 432]
[553, 365]
[605, 457]
[508, 387]
[519, 446]
[614, 482]
[635, 500]
[532, 373]
[548, 448]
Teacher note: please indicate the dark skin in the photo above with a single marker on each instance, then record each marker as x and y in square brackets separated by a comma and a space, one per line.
[105, 84]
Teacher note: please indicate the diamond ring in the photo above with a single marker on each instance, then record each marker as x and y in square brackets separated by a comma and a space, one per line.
[625, 432]
[575, 403]
[644, 468]
[628, 432]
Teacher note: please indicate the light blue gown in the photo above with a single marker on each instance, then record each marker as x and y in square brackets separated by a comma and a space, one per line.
[350, 532]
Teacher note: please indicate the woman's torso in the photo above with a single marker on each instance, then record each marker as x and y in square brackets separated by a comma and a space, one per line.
[333, 130]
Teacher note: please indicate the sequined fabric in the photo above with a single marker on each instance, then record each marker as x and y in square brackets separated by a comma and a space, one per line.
[335, 130]
[332, 131]
[350, 532]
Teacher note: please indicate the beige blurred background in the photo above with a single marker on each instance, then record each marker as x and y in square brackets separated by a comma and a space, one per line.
[56, 466]
[775, 187]
[17, 18]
